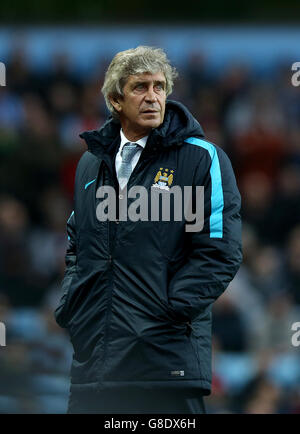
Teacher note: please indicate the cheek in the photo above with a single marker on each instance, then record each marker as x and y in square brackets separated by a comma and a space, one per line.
[135, 106]
[132, 106]
[162, 103]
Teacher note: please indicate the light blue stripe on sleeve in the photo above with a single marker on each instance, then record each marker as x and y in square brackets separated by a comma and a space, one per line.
[217, 199]
[72, 213]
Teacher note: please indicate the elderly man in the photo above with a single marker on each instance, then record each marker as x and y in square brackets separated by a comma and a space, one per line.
[137, 293]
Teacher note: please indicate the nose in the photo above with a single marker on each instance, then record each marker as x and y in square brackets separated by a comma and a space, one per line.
[151, 95]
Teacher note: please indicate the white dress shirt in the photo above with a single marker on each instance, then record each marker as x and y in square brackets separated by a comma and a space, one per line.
[142, 142]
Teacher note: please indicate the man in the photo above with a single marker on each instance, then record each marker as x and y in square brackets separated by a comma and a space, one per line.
[138, 293]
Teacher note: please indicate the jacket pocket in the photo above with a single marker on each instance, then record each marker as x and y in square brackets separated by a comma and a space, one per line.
[93, 252]
[61, 311]
[173, 319]
[200, 338]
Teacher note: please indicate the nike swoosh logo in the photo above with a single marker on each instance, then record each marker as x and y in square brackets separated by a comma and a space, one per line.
[89, 183]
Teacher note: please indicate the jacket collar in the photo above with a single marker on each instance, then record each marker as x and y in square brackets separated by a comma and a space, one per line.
[178, 125]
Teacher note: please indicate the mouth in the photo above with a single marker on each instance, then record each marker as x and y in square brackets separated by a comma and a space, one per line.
[149, 111]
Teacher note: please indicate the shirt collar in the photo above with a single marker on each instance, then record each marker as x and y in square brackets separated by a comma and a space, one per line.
[142, 142]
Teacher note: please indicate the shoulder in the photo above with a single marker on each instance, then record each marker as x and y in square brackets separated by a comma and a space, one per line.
[209, 157]
[85, 159]
[85, 165]
[205, 150]
[204, 146]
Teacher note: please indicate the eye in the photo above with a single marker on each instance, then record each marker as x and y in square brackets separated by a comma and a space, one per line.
[159, 86]
[139, 86]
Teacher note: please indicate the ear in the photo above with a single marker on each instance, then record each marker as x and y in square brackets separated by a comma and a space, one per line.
[115, 103]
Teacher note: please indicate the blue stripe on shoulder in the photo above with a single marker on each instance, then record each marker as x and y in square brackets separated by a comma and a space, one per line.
[217, 199]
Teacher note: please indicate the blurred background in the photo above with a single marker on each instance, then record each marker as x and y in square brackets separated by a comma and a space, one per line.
[236, 80]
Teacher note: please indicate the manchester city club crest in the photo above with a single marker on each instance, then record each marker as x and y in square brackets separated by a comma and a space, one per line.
[163, 179]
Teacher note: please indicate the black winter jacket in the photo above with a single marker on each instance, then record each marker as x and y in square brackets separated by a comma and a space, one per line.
[137, 296]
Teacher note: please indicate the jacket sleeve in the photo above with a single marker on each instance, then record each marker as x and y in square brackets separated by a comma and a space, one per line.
[215, 252]
[70, 270]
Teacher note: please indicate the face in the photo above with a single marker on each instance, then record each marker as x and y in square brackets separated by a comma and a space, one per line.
[143, 105]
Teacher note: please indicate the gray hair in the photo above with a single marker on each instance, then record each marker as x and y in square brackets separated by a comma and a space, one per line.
[132, 62]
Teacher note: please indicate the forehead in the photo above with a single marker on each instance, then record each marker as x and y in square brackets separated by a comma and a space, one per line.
[146, 77]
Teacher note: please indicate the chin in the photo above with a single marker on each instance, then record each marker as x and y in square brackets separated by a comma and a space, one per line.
[151, 123]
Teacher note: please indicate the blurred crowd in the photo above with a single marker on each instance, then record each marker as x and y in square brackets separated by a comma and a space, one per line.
[255, 119]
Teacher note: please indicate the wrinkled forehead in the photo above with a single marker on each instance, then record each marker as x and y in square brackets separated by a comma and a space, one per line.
[147, 77]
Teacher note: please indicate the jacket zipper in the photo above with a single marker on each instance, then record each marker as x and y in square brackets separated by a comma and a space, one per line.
[110, 295]
[140, 165]
[111, 242]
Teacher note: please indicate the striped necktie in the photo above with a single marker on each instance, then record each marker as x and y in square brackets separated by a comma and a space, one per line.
[128, 152]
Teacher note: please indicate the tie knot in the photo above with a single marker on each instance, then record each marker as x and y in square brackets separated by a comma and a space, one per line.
[129, 150]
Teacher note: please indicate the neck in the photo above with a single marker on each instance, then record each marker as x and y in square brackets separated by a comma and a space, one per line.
[133, 136]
